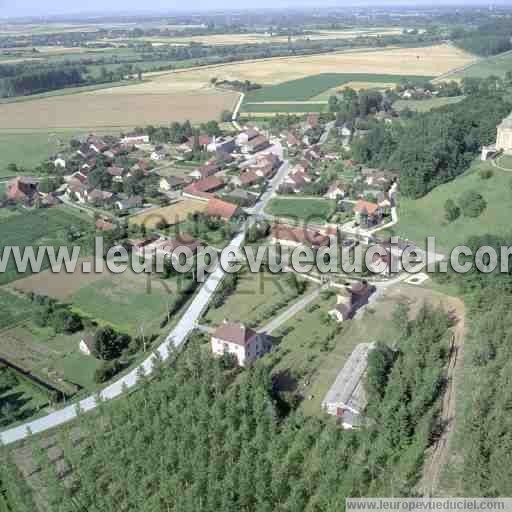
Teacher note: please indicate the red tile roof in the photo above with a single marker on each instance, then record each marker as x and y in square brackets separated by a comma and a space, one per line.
[235, 333]
[299, 235]
[210, 183]
[361, 205]
[222, 209]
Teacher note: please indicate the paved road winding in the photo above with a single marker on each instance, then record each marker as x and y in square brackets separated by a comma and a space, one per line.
[176, 339]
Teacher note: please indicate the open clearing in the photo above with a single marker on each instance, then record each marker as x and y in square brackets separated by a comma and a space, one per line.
[95, 110]
[483, 68]
[171, 215]
[126, 302]
[258, 298]
[425, 216]
[310, 210]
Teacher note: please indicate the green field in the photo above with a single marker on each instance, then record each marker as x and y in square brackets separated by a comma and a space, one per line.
[505, 161]
[311, 210]
[284, 108]
[483, 68]
[424, 217]
[36, 228]
[307, 88]
[425, 105]
[27, 149]
[123, 301]
[257, 298]
[13, 308]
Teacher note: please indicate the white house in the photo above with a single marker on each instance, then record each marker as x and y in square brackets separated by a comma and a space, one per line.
[86, 345]
[59, 162]
[336, 191]
[134, 138]
[240, 341]
[157, 156]
[347, 398]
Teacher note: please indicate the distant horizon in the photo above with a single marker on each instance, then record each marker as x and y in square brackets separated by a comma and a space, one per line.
[55, 9]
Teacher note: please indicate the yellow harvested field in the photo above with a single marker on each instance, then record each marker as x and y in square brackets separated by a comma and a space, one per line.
[90, 110]
[171, 215]
[428, 61]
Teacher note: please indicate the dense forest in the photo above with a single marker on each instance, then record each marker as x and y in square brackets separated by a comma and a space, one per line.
[483, 447]
[203, 436]
[432, 148]
[37, 81]
[491, 37]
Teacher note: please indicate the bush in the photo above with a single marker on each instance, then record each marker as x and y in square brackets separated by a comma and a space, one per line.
[107, 370]
[485, 174]
[451, 210]
[472, 204]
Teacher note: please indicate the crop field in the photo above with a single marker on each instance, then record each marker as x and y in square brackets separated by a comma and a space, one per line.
[258, 297]
[424, 217]
[126, 301]
[284, 108]
[114, 109]
[311, 210]
[37, 228]
[425, 105]
[304, 89]
[171, 215]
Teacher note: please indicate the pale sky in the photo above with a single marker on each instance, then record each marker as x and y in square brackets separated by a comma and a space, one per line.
[11, 8]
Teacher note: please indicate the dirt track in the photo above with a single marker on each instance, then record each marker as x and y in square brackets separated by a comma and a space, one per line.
[438, 453]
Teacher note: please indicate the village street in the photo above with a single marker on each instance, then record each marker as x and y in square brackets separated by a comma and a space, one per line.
[174, 340]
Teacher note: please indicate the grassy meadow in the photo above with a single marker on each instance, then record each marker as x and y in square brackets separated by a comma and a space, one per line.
[311, 210]
[425, 105]
[426, 216]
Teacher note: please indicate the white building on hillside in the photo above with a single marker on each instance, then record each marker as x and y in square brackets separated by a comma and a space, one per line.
[244, 343]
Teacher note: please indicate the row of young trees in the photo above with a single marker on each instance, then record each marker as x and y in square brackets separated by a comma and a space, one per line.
[201, 437]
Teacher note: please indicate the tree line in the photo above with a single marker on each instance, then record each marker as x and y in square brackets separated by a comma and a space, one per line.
[202, 436]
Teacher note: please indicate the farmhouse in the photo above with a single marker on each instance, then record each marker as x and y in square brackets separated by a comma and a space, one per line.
[116, 173]
[295, 237]
[221, 144]
[206, 170]
[170, 183]
[255, 145]
[336, 191]
[222, 209]
[135, 138]
[504, 137]
[367, 214]
[245, 136]
[168, 247]
[246, 179]
[350, 300]
[86, 345]
[242, 342]
[347, 398]
[59, 162]
[131, 202]
[203, 189]
[23, 189]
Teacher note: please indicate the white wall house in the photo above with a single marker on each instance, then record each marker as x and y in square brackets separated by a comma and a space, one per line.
[240, 341]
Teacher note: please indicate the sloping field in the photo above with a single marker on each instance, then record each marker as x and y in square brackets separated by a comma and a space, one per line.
[483, 68]
[304, 89]
[92, 110]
